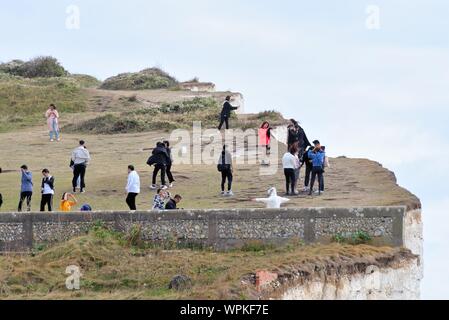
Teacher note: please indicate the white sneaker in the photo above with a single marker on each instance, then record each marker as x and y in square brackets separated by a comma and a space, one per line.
[230, 194]
[164, 187]
[153, 187]
[306, 189]
[223, 193]
[51, 140]
[170, 185]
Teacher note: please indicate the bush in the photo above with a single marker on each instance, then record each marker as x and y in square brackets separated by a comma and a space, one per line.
[40, 67]
[152, 78]
[359, 237]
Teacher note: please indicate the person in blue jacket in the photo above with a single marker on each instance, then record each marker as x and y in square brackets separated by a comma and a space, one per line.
[26, 189]
[317, 156]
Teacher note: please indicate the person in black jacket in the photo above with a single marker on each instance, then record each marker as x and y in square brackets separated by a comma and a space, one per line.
[48, 190]
[226, 113]
[160, 159]
[169, 164]
[172, 204]
[306, 161]
[292, 137]
[303, 142]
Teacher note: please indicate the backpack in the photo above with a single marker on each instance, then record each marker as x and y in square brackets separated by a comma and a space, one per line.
[221, 167]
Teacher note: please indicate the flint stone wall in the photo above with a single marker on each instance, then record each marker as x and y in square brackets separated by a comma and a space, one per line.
[221, 229]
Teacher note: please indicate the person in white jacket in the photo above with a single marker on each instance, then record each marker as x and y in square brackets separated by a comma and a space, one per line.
[290, 163]
[132, 188]
[273, 201]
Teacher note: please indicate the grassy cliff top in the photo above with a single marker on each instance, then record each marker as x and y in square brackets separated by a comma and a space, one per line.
[113, 267]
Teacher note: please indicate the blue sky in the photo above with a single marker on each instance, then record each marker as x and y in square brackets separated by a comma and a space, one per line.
[380, 94]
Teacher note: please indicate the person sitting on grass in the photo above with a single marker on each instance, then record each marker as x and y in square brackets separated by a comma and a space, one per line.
[159, 199]
[172, 204]
[67, 202]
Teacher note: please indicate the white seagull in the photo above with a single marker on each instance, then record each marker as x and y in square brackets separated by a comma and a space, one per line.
[273, 201]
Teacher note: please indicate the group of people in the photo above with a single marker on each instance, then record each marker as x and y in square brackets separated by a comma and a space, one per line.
[302, 153]
[161, 201]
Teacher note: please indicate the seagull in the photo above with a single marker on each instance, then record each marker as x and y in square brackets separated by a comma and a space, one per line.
[273, 201]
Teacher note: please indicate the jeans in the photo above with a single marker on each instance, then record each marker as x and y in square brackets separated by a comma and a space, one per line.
[131, 200]
[25, 195]
[162, 169]
[308, 175]
[226, 175]
[55, 131]
[317, 171]
[290, 180]
[79, 171]
[223, 121]
[47, 200]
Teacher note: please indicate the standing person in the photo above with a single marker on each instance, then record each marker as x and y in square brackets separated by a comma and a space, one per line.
[225, 167]
[226, 113]
[159, 159]
[317, 155]
[303, 141]
[265, 136]
[172, 204]
[52, 116]
[132, 188]
[48, 190]
[290, 163]
[307, 162]
[292, 131]
[67, 202]
[169, 164]
[80, 158]
[1, 197]
[26, 189]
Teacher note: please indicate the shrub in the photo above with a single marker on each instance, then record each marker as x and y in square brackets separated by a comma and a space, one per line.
[359, 237]
[153, 78]
[40, 67]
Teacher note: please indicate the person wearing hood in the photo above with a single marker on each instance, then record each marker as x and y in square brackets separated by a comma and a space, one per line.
[226, 113]
[273, 201]
[80, 158]
[26, 189]
[160, 159]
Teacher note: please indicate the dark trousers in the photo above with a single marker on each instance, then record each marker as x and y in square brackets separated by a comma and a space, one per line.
[131, 200]
[308, 175]
[25, 195]
[290, 180]
[79, 171]
[162, 169]
[226, 175]
[47, 200]
[169, 174]
[223, 121]
[317, 171]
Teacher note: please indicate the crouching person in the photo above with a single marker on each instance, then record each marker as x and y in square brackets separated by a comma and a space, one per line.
[172, 204]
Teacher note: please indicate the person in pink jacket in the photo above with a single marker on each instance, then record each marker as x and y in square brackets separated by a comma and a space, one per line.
[265, 136]
[52, 116]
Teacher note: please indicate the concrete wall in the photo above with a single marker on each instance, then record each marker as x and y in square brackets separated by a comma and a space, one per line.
[221, 229]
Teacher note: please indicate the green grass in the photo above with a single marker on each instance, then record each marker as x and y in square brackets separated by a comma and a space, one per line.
[23, 102]
[152, 78]
[113, 268]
